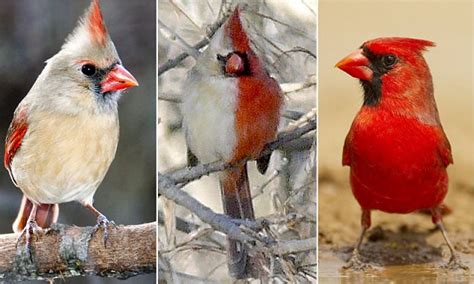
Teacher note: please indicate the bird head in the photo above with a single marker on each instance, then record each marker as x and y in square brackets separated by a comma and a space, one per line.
[390, 69]
[229, 53]
[87, 73]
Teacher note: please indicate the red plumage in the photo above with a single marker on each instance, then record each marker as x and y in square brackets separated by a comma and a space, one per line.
[231, 110]
[95, 24]
[398, 165]
[396, 147]
[257, 117]
[15, 134]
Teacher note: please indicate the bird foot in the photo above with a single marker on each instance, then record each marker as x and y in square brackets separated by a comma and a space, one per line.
[31, 229]
[356, 264]
[454, 264]
[103, 223]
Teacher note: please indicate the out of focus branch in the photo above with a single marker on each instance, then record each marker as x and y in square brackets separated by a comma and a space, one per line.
[285, 87]
[295, 246]
[172, 36]
[298, 86]
[181, 224]
[66, 251]
[171, 63]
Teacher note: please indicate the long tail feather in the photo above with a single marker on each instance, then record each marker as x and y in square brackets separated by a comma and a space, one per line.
[46, 215]
[237, 202]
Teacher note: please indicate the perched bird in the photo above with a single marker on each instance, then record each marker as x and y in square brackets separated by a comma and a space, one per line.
[231, 109]
[396, 148]
[64, 132]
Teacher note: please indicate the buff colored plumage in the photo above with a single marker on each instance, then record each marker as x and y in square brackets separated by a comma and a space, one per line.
[64, 133]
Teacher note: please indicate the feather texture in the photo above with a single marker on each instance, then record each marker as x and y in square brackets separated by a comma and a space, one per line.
[397, 149]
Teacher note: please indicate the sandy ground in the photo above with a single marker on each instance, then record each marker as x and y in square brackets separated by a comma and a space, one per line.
[395, 242]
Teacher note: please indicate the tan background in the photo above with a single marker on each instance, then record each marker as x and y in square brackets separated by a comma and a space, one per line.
[343, 27]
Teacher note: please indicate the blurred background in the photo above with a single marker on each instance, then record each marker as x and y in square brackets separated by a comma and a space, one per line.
[344, 26]
[31, 32]
[284, 37]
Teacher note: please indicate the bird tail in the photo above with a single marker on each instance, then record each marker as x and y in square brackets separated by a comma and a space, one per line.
[46, 214]
[237, 203]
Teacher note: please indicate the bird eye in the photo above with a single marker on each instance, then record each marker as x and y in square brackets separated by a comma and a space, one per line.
[389, 60]
[221, 58]
[88, 69]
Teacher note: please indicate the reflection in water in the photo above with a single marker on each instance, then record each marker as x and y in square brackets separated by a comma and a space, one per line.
[330, 271]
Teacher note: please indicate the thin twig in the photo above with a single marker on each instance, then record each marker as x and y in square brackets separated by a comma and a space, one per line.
[172, 36]
[171, 63]
[184, 14]
[298, 31]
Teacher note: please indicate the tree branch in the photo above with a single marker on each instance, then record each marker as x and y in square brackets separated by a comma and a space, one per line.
[169, 185]
[186, 175]
[220, 222]
[66, 251]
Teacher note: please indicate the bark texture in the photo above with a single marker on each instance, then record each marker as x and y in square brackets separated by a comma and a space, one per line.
[66, 251]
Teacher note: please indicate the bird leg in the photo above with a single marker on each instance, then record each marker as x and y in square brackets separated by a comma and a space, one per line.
[455, 262]
[355, 262]
[31, 229]
[102, 223]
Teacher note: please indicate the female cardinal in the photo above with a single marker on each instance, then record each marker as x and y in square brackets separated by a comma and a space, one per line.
[396, 147]
[64, 133]
[231, 109]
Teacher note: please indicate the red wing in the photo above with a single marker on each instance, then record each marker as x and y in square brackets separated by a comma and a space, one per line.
[444, 148]
[346, 152]
[15, 135]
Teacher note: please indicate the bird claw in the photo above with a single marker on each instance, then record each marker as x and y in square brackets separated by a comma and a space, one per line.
[356, 264]
[454, 264]
[103, 223]
[31, 229]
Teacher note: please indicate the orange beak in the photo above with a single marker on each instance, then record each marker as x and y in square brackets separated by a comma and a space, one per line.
[118, 79]
[356, 65]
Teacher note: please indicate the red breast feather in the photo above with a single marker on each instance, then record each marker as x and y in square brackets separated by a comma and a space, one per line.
[259, 99]
[397, 149]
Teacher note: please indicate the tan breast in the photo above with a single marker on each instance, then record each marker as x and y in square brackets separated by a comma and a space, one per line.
[64, 158]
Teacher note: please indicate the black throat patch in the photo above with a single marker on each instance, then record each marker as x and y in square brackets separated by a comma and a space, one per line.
[372, 91]
[373, 88]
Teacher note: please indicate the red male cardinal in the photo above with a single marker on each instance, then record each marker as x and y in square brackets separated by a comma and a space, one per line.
[396, 147]
[64, 133]
[231, 109]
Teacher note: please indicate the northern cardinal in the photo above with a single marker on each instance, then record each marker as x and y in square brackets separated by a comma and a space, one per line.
[231, 109]
[64, 133]
[396, 148]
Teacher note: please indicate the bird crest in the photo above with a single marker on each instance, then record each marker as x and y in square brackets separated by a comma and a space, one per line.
[91, 28]
[94, 22]
[398, 44]
[236, 32]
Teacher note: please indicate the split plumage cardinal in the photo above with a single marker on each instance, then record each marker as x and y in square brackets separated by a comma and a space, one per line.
[64, 133]
[396, 148]
[231, 109]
